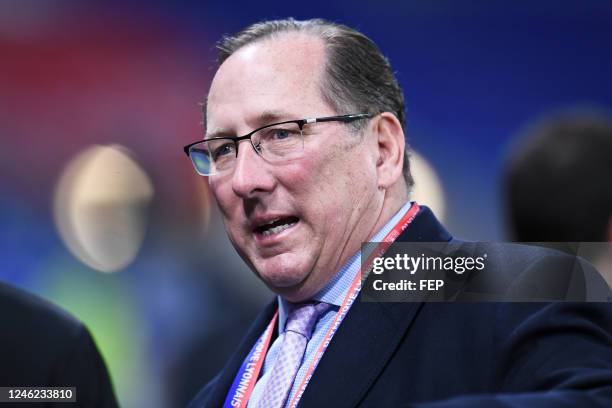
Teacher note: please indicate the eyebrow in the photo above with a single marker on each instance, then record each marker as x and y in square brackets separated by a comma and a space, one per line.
[271, 116]
[219, 132]
[265, 118]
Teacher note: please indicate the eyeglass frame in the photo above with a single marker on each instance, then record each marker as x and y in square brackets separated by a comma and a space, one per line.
[300, 122]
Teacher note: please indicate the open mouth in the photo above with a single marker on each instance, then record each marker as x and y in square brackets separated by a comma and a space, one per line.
[276, 226]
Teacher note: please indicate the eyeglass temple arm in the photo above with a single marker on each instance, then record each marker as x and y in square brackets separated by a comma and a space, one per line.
[342, 118]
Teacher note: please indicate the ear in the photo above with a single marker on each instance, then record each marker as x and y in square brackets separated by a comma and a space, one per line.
[391, 145]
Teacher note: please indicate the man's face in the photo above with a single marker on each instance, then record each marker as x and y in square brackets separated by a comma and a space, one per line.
[323, 202]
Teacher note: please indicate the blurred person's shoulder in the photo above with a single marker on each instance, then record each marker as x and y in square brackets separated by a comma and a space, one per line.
[537, 272]
[23, 313]
[43, 345]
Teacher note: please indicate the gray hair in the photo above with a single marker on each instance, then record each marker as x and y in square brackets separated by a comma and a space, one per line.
[358, 78]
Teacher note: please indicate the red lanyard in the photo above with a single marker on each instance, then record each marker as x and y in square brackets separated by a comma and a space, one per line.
[245, 380]
[242, 387]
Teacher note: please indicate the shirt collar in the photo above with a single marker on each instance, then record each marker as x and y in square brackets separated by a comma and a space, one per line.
[335, 290]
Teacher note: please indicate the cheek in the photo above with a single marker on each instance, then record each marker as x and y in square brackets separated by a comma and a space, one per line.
[300, 178]
[348, 175]
[225, 198]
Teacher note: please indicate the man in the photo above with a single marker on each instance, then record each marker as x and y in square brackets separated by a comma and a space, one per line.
[42, 346]
[568, 148]
[320, 169]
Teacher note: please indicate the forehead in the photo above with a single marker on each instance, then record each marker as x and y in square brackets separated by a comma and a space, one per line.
[281, 74]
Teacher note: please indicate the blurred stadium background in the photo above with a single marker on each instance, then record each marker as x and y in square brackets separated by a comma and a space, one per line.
[101, 212]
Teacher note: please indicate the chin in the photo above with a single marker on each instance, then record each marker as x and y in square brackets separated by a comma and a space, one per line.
[283, 277]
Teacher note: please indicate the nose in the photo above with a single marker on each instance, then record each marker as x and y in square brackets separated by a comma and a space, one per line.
[252, 175]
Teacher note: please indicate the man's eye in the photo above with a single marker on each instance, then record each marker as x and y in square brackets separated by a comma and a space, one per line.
[279, 134]
[223, 150]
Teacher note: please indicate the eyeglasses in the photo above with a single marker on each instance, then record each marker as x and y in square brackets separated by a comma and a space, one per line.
[275, 143]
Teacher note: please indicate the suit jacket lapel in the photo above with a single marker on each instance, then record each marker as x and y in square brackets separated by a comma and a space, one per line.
[221, 388]
[368, 336]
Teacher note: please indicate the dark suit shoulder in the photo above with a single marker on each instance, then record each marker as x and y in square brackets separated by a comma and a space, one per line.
[25, 313]
[42, 345]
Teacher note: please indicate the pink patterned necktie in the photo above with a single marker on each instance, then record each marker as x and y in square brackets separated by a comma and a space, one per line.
[298, 330]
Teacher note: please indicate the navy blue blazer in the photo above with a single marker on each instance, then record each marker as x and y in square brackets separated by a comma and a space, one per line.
[437, 355]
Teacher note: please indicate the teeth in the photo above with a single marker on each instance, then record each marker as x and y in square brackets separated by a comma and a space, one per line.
[271, 222]
[277, 229]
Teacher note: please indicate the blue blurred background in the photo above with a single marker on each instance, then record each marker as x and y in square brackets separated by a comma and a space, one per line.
[101, 212]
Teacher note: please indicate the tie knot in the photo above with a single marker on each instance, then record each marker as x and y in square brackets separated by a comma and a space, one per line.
[302, 319]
